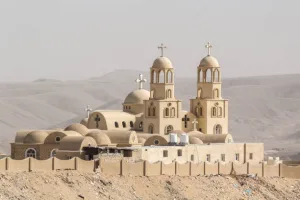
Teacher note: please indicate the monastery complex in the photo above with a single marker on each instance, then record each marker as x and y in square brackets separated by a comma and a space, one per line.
[152, 125]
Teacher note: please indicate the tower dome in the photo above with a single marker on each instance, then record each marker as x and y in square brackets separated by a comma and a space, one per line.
[209, 61]
[162, 63]
[137, 97]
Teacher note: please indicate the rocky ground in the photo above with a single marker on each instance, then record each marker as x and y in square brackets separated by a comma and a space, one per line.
[73, 185]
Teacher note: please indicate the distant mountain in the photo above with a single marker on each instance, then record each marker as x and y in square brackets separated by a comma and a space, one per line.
[46, 80]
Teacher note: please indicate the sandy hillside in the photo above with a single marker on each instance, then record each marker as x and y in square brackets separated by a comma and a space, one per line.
[261, 109]
[72, 185]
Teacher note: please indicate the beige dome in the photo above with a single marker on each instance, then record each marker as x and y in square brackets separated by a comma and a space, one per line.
[194, 133]
[84, 121]
[137, 97]
[101, 138]
[83, 130]
[162, 63]
[35, 137]
[209, 61]
[194, 140]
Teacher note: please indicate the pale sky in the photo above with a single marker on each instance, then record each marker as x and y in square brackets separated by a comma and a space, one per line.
[72, 39]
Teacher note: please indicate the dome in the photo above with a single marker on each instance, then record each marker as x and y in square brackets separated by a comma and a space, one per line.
[35, 137]
[209, 61]
[137, 97]
[100, 137]
[194, 140]
[194, 133]
[162, 63]
[84, 121]
[83, 130]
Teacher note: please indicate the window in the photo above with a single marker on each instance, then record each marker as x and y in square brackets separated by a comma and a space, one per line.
[129, 107]
[150, 129]
[116, 124]
[200, 129]
[220, 112]
[192, 157]
[169, 129]
[167, 112]
[208, 157]
[179, 152]
[141, 125]
[165, 153]
[173, 112]
[149, 111]
[30, 153]
[153, 111]
[218, 129]
[251, 156]
[223, 157]
[201, 111]
[169, 94]
[124, 124]
[214, 111]
[127, 153]
[237, 157]
[57, 139]
[131, 124]
[53, 153]
[156, 142]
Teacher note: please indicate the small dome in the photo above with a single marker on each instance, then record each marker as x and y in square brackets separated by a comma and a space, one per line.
[101, 138]
[162, 63]
[194, 133]
[194, 140]
[83, 130]
[35, 137]
[84, 121]
[137, 97]
[209, 61]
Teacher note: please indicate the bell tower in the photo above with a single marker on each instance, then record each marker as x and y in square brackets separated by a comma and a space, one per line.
[209, 107]
[162, 110]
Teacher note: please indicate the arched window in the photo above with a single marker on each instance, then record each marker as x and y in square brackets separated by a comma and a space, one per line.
[150, 128]
[141, 125]
[167, 112]
[153, 111]
[208, 76]
[153, 78]
[218, 129]
[131, 124]
[169, 129]
[161, 78]
[169, 77]
[199, 93]
[173, 112]
[200, 76]
[116, 124]
[30, 153]
[149, 111]
[169, 93]
[220, 111]
[216, 76]
[214, 111]
[201, 111]
[124, 124]
[53, 153]
[216, 93]
[152, 94]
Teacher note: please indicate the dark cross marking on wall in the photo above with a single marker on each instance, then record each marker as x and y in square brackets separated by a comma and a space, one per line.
[185, 120]
[97, 120]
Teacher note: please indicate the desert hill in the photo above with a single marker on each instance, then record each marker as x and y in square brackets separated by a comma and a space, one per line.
[261, 109]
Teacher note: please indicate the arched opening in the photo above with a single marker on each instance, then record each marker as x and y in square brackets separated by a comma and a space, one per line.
[53, 153]
[173, 112]
[150, 128]
[199, 93]
[149, 111]
[201, 76]
[216, 76]
[201, 111]
[169, 77]
[161, 78]
[216, 93]
[197, 111]
[141, 125]
[214, 111]
[167, 112]
[124, 124]
[131, 124]
[153, 77]
[169, 129]
[208, 76]
[30, 153]
[220, 111]
[153, 111]
[218, 129]
[116, 124]
[169, 93]
[152, 94]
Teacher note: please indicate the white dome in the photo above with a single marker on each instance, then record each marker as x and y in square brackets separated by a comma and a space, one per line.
[209, 61]
[162, 63]
[137, 97]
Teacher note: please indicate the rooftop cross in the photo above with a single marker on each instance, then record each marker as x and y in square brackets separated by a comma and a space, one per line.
[88, 110]
[140, 81]
[162, 47]
[208, 46]
[195, 122]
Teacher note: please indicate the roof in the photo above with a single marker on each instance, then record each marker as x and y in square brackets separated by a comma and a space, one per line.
[83, 130]
[162, 63]
[100, 137]
[35, 137]
[51, 138]
[194, 140]
[75, 143]
[137, 97]
[215, 138]
[209, 61]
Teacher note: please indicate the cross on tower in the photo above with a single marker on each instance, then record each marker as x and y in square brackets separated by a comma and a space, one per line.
[185, 120]
[140, 81]
[195, 122]
[88, 110]
[97, 120]
[162, 47]
[208, 46]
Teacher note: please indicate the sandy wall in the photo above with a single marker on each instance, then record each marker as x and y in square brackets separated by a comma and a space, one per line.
[183, 169]
[110, 167]
[240, 169]
[152, 169]
[271, 170]
[85, 165]
[255, 169]
[211, 168]
[225, 168]
[290, 171]
[64, 164]
[168, 169]
[3, 164]
[17, 165]
[41, 165]
[197, 169]
[135, 169]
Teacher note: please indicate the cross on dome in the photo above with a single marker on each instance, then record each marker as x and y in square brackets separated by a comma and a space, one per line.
[208, 46]
[88, 109]
[195, 122]
[140, 81]
[162, 47]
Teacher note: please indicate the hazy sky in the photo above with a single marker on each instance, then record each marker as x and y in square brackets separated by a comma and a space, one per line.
[71, 39]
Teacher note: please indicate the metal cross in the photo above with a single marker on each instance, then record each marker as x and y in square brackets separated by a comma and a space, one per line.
[208, 46]
[195, 122]
[97, 120]
[185, 120]
[140, 81]
[162, 47]
[88, 109]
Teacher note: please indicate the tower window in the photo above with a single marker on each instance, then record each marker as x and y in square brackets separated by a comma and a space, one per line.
[149, 111]
[153, 111]
[214, 111]
[167, 112]
[208, 157]
[251, 156]
[116, 124]
[223, 157]
[169, 129]
[124, 124]
[131, 124]
[237, 157]
[165, 153]
[179, 152]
